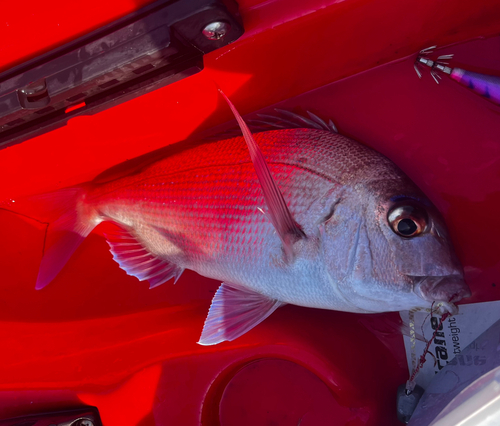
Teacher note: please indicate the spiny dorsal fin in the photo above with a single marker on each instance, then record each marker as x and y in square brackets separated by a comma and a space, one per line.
[137, 261]
[233, 312]
[281, 119]
[290, 120]
[280, 215]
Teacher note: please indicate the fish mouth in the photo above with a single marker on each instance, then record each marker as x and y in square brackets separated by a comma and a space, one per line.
[444, 291]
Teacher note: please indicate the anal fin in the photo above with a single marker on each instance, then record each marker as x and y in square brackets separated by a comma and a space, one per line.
[137, 261]
[233, 312]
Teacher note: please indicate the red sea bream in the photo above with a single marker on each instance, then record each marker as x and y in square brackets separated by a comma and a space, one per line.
[334, 225]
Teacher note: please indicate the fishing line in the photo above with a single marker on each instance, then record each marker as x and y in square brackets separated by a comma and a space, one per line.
[413, 340]
[410, 384]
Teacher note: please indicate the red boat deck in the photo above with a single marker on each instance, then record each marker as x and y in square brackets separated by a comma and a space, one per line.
[99, 337]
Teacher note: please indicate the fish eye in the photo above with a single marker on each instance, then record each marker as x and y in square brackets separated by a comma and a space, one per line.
[407, 220]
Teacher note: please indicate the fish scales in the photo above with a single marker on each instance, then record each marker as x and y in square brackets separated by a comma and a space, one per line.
[335, 225]
[208, 203]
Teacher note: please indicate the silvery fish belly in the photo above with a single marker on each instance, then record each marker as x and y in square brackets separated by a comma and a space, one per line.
[300, 216]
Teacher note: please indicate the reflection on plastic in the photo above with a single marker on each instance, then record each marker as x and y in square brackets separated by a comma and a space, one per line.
[130, 403]
[469, 391]
[476, 405]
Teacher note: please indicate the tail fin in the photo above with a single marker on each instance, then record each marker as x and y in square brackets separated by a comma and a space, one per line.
[69, 224]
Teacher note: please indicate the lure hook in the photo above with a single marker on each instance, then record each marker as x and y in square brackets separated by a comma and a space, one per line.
[487, 86]
[438, 64]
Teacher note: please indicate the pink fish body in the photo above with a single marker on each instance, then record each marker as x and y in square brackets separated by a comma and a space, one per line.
[205, 209]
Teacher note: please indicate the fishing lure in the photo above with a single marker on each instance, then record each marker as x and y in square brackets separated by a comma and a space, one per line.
[487, 86]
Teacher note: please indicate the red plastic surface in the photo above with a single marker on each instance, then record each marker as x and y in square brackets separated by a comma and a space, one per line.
[97, 336]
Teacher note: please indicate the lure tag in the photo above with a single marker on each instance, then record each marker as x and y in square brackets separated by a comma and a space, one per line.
[407, 402]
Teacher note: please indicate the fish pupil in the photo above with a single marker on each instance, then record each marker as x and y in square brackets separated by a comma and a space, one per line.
[407, 227]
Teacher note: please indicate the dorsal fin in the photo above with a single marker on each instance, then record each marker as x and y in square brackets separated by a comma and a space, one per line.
[290, 120]
[279, 119]
[280, 215]
[137, 261]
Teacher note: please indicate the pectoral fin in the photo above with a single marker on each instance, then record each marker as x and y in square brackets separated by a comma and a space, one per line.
[233, 312]
[137, 261]
[280, 215]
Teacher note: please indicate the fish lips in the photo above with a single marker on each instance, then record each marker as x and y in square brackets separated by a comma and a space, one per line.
[443, 290]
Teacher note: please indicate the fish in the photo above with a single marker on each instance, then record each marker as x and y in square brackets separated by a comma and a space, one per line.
[300, 215]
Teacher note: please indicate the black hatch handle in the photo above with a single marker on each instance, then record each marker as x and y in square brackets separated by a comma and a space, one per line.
[148, 49]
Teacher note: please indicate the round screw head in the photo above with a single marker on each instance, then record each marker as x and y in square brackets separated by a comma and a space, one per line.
[216, 30]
